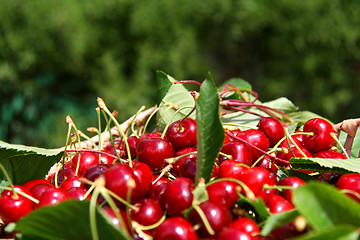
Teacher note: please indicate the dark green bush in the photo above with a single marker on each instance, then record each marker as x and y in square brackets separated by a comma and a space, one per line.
[57, 56]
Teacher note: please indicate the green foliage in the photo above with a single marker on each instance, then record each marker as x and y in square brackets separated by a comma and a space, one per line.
[57, 56]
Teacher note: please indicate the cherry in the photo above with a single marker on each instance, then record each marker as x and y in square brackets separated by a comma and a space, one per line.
[177, 166]
[231, 169]
[256, 138]
[144, 176]
[350, 182]
[148, 212]
[113, 218]
[291, 151]
[175, 228]
[217, 215]
[110, 148]
[86, 160]
[78, 193]
[188, 169]
[224, 193]
[329, 154]
[52, 196]
[148, 135]
[178, 196]
[95, 171]
[154, 151]
[321, 139]
[13, 207]
[121, 180]
[272, 128]
[158, 189]
[267, 163]
[37, 190]
[245, 224]
[182, 133]
[291, 181]
[29, 184]
[233, 233]
[234, 132]
[238, 151]
[106, 159]
[278, 204]
[71, 183]
[63, 174]
[255, 178]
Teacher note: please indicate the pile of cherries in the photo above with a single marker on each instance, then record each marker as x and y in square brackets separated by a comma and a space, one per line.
[154, 180]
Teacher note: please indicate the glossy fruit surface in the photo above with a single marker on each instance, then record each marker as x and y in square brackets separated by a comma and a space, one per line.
[238, 151]
[321, 139]
[175, 228]
[147, 212]
[255, 138]
[272, 128]
[231, 169]
[233, 233]
[52, 196]
[350, 184]
[224, 193]
[182, 133]
[290, 181]
[83, 160]
[245, 224]
[278, 204]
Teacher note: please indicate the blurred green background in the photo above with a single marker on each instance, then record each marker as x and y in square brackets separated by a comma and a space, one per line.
[57, 56]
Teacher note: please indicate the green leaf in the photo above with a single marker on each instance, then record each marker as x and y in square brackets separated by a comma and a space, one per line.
[67, 220]
[237, 82]
[257, 207]
[333, 233]
[23, 163]
[326, 165]
[210, 133]
[164, 84]
[302, 116]
[278, 220]
[177, 95]
[324, 206]
[282, 104]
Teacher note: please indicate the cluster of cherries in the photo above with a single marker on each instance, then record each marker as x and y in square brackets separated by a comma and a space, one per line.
[153, 181]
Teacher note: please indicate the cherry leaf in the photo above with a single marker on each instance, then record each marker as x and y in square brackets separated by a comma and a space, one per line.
[277, 220]
[210, 133]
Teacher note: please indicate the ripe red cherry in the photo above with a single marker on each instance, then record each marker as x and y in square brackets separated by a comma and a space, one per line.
[176, 228]
[272, 128]
[13, 208]
[37, 190]
[29, 184]
[217, 215]
[86, 160]
[291, 181]
[238, 151]
[188, 169]
[178, 196]
[321, 139]
[144, 176]
[95, 171]
[245, 224]
[158, 189]
[71, 182]
[329, 154]
[182, 133]
[148, 135]
[350, 184]
[292, 151]
[121, 179]
[154, 151]
[255, 178]
[227, 138]
[224, 193]
[231, 169]
[177, 166]
[278, 204]
[117, 222]
[233, 233]
[78, 193]
[256, 138]
[148, 212]
[52, 196]
[63, 174]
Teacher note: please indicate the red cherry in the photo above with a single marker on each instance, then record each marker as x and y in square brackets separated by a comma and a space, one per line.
[121, 180]
[272, 128]
[233, 233]
[231, 169]
[86, 160]
[37, 190]
[95, 171]
[278, 204]
[71, 183]
[175, 228]
[227, 138]
[144, 176]
[329, 154]
[178, 196]
[113, 218]
[148, 212]
[291, 181]
[177, 166]
[255, 178]
[350, 183]
[256, 138]
[224, 193]
[52, 196]
[148, 135]
[182, 133]
[245, 224]
[217, 215]
[29, 184]
[265, 162]
[158, 189]
[12, 207]
[154, 151]
[63, 174]
[78, 193]
[238, 151]
[188, 169]
[321, 139]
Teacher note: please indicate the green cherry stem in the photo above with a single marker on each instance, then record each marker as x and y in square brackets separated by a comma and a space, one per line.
[207, 225]
[15, 196]
[172, 117]
[333, 135]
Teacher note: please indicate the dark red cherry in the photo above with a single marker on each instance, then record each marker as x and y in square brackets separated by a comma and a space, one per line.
[182, 133]
[52, 196]
[154, 151]
[147, 212]
[267, 163]
[178, 196]
[84, 160]
[63, 174]
[329, 154]
[238, 151]
[177, 166]
[188, 169]
[272, 128]
[231, 169]
[224, 193]
[217, 215]
[95, 171]
[13, 207]
[71, 183]
[291, 181]
[321, 139]
[233, 233]
[175, 228]
[29, 184]
[132, 142]
[144, 176]
[256, 138]
[122, 180]
[148, 135]
[350, 184]
[278, 204]
[78, 193]
[245, 224]
[37, 190]
[158, 189]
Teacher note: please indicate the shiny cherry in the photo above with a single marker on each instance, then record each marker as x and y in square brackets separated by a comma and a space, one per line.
[84, 160]
[78, 193]
[255, 178]
[238, 151]
[278, 204]
[175, 228]
[177, 166]
[256, 138]
[290, 181]
[144, 176]
[147, 212]
[246, 224]
[29, 184]
[272, 128]
[233, 233]
[224, 193]
[71, 183]
[63, 174]
[95, 171]
[321, 139]
[231, 169]
[350, 184]
[52, 196]
[329, 154]
[182, 133]
[157, 189]
[37, 190]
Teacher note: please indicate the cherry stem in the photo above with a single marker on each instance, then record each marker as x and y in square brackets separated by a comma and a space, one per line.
[155, 225]
[172, 117]
[288, 137]
[333, 135]
[188, 81]
[228, 156]
[133, 122]
[15, 196]
[92, 212]
[21, 193]
[173, 160]
[204, 219]
[163, 172]
[280, 188]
